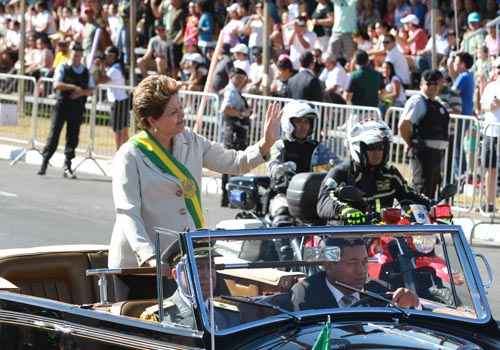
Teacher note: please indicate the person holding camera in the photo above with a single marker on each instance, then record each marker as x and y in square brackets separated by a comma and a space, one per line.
[236, 113]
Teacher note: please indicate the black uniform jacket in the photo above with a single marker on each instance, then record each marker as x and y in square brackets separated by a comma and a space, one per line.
[385, 184]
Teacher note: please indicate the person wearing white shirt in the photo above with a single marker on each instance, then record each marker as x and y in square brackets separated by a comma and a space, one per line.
[231, 31]
[44, 22]
[120, 108]
[490, 103]
[254, 27]
[65, 21]
[115, 23]
[397, 58]
[13, 37]
[240, 52]
[300, 41]
[334, 75]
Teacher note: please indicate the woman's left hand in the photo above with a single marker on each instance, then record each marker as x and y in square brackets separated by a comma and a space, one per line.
[271, 128]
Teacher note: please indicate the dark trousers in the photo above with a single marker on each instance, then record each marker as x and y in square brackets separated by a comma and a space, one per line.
[235, 137]
[427, 167]
[70, 112]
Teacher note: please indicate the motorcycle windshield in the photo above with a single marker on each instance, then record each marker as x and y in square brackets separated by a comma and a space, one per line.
[255, 276]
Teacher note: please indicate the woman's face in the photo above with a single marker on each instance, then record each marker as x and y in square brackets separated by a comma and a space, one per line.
[192, 8]
[171, 121]
[259, 9]
[481, 54]
[386, 70]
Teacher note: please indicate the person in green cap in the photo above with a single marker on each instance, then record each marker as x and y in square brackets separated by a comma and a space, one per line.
[472, 40]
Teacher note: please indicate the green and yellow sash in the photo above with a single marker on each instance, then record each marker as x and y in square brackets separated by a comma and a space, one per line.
[164, 160]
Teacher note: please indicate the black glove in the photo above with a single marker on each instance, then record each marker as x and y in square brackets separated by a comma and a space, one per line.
[352, 216]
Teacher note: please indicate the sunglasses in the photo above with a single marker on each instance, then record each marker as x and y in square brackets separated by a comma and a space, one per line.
[431, 83]
[386, 42]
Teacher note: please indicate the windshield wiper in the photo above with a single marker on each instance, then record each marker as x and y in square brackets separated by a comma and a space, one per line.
[247, 300]
[373, 296]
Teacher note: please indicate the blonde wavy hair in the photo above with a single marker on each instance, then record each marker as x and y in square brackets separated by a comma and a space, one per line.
[151, 97]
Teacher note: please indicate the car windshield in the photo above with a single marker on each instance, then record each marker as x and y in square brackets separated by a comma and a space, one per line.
[269, 274]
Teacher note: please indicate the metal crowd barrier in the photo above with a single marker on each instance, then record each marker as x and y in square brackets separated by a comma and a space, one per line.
[30, 121]
[461, 161]
[103, 141]
[490, 132]
[17, 117]
[259, 105]
[206, 104]
[331, 127]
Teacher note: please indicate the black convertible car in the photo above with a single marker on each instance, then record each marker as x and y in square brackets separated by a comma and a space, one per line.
[63, 297]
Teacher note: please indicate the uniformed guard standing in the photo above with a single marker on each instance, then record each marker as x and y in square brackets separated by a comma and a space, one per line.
[73, 84]
[424, 128]
[236, 114]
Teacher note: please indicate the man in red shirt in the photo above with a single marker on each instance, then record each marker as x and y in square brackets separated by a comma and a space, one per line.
[417, 36]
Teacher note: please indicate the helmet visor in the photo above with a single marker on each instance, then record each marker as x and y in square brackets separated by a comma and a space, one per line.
[378, 146]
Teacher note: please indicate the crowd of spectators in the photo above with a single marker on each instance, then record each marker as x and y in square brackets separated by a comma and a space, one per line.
[315, 40]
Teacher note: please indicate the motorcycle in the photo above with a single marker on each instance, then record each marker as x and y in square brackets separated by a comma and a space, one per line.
[275, 201]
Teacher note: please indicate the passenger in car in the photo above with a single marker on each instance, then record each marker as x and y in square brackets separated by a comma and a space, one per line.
[178, 309]
[321, 291]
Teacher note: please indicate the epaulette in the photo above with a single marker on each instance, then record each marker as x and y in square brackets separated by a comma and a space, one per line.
[226, 306]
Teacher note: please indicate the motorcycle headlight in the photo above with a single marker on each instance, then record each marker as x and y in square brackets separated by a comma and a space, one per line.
[424, 244]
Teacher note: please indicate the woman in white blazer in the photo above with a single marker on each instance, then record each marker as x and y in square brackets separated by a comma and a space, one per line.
[148, 195]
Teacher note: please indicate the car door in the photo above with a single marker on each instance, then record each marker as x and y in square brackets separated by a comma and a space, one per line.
[28, 322]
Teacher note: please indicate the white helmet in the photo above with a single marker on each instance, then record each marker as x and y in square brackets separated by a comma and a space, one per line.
[365, 135]
[297, 109]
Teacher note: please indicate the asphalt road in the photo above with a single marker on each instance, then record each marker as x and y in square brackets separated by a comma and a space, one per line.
[49, 210]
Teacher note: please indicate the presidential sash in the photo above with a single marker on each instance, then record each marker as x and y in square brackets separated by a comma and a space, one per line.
[164, 160]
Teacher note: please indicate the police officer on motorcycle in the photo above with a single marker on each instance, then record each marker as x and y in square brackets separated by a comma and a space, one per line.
[368, 171]
[296, 152]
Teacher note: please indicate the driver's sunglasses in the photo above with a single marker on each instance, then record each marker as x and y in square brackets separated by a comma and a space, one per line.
[379, 146]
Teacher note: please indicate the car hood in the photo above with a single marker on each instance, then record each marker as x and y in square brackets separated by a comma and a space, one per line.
[373, 335]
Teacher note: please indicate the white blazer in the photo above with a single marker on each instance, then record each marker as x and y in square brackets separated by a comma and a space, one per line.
[146, 198]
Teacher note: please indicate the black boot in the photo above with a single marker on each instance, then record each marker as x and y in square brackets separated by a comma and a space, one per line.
[68, 172]
[43, 168]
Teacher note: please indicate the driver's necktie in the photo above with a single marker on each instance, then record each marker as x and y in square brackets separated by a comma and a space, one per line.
[347, 300]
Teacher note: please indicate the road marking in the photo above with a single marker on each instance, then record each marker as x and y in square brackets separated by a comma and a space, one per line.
[7, 194]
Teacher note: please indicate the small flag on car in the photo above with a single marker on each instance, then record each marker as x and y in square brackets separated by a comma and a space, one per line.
[323, 340]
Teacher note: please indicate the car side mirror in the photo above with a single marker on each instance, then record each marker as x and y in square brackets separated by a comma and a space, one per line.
[448, 191]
